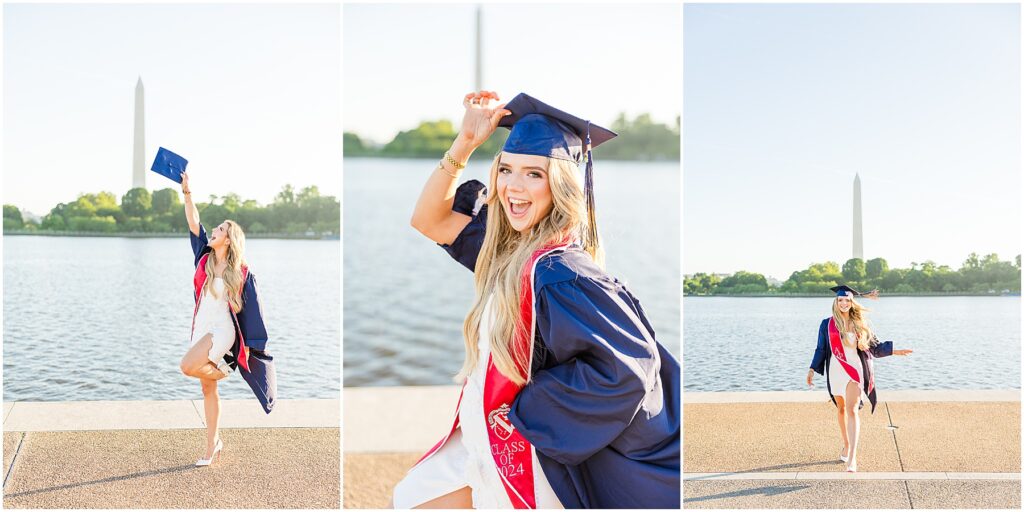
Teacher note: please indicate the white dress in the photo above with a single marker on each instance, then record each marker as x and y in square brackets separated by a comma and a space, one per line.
[838, 378]
[465, 460]
[214, 317]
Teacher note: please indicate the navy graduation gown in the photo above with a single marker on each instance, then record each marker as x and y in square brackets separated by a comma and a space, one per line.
[602, 409]
[261, 377]
[823, 355]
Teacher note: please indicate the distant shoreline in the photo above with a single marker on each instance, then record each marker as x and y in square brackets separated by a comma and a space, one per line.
[279, 236]
[893, 294]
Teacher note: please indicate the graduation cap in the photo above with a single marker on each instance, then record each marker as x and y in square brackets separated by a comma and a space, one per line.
[168, 164]
[540, 129]
[844, 291]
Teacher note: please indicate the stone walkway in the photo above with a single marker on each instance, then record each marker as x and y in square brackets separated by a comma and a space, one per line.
[142, 455]
[742, 453]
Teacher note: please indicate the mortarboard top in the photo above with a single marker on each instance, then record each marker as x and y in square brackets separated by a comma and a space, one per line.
[542, 130]
[169, 164]
[844, 291]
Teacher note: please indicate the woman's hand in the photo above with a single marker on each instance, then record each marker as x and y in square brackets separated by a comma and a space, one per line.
[481, 117]
[810, 379]
[873, 294]
[902, 352]
[184, 183]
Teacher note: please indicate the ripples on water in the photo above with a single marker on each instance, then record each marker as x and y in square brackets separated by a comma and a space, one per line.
[766, 344]
[405, 298]
[110, 318]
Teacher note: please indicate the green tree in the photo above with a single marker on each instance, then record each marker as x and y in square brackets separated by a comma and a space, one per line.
[972, 261]
[648, 140]
[137, 202]
[166, 200]
[743, 282]
[12, 217]
[353, 145]
[285, 196]
[893, 279]
[701, 284]
[307, 196]
[429, 139]
[214, 214]
[876, 268]
[81, 207]
[53, 222]
[93, 224]
[111, 211]
[103, 200]
[853, 270]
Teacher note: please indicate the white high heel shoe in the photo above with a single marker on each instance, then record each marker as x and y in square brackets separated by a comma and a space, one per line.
[852, 468]
[844, 458]
[216, 450]
[224, 368]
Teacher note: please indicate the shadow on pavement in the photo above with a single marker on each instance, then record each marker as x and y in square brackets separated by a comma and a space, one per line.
[769, 490]
[141, 474]
[766, 469]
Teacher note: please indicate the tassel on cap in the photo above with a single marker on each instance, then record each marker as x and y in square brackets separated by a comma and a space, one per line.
[590, 241]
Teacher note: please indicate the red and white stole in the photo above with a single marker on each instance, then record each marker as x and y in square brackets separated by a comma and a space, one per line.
[198, 281]
[835, 341]
[512, 453]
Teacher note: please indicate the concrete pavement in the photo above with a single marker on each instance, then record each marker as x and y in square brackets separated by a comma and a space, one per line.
[958, 449]
[142, 455]
[387, 429]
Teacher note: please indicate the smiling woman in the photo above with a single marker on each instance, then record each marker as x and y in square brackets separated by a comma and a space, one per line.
[844, 355]
[524, 190]
[564, 384]
[227, 323]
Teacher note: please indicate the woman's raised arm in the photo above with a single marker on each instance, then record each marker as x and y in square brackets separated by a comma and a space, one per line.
[191, 212]
[433, 215]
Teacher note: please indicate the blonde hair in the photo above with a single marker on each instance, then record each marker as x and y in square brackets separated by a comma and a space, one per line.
[499, 268]
[859, 320]
[233, 273]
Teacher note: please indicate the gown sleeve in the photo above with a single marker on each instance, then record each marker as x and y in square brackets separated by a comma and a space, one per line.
[469, 201]
[818, 361]
[883, 349]
[251, 315]
[200, 243]
[606, 361]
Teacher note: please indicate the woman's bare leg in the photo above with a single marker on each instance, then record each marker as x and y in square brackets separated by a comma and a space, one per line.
[841, 408]
[196, 362]
[462, 498]
[853, 419]
[211, 405]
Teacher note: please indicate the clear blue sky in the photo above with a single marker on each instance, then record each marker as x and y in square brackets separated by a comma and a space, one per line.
[248, 93]
[785, 103]
[409, 63]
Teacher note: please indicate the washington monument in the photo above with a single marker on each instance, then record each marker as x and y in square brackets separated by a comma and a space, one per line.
[858, 229]
[139, 146]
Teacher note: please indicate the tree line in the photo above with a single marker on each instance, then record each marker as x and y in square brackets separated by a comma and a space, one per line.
[977, 275]
[162, 211]
[639, 138]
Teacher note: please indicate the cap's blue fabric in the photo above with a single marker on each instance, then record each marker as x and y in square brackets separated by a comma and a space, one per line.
[842, 290]
[168, 164]
[542, 130]
[536, 134]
